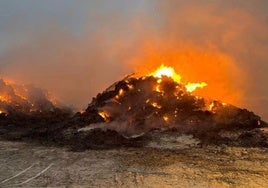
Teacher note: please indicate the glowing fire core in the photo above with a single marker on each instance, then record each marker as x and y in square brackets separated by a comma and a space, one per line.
[163, 71]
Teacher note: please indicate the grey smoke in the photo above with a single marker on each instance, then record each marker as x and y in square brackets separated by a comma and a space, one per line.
[110, 44]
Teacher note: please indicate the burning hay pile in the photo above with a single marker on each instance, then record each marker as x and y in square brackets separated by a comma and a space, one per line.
[133, 110]
[16, 98]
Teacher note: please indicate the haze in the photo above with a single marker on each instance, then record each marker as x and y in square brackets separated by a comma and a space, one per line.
[75, 49]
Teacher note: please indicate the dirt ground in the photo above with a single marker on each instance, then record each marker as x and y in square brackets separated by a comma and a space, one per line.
[177, 165]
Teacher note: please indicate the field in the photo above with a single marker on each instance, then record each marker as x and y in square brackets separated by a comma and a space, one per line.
[181, 164]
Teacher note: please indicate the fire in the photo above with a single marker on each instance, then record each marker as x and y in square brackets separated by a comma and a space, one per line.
[143, 106]
[104, 115]
[24, 98]
[154, 104]
[211, 106]
[190, 87]
[165, 118]
[22, 92]
[168, 72]
[120, 94]
[4, 98]
[159, 81]
[131, 87]
[3, 112]
[157, 88]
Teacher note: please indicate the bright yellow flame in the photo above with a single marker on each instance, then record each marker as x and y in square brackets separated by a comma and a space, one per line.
[165, 118]
[214, 105]
[170, 72]
[157, 88]
[154, 104]
[130, 86]
[211, 106]
[167, 71]
[3, 112]
[104, 115]
[190, 87]
[120, 94]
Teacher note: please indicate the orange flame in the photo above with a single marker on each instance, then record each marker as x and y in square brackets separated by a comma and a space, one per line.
[104, 115]
[120, 94]
[154, 104]
[190, 87]
[165, 118]
[4, 98]
[170, 72]
[20, 95]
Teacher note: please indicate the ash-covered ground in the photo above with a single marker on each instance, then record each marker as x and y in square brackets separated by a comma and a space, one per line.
[140, 132]
[184, 164]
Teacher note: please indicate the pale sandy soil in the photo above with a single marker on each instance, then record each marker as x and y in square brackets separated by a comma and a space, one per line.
[28, 165]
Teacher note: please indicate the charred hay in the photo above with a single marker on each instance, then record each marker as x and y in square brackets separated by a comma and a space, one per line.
[136, 111]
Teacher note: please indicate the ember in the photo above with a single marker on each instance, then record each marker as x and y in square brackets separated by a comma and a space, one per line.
[21, 98]
[104, 115]
[129, 109]
[190, 87]
[164, 71]
[161, 100]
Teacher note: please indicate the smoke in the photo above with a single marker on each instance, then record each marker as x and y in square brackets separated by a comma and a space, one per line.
[223, 43]
[135, 106]
[23, 98]
[73, 69]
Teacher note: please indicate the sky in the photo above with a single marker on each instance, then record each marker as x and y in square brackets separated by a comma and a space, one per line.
[21, 18]
[75, 49]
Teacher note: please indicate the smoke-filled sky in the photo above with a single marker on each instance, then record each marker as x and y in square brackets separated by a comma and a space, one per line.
[75, 49]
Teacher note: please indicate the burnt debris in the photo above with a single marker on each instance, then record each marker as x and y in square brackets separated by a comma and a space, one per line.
[123, 114]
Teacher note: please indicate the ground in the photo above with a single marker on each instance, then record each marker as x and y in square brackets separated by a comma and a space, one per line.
[178, 165]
